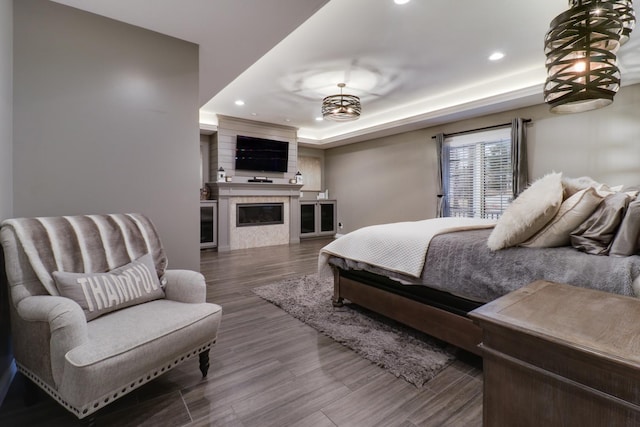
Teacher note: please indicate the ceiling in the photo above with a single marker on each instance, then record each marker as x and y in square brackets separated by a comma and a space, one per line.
[413, 65]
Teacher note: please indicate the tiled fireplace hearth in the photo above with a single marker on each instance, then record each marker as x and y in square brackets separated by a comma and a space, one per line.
[263, 229]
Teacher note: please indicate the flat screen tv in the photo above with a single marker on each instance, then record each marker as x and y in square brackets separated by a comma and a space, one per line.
[263, 155]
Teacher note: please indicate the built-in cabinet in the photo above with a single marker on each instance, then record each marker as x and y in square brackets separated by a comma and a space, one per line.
[208, 224]
[318, 218]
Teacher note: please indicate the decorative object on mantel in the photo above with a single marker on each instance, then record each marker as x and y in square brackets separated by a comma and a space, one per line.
[228, 179]
[205, 192]
[298, 178]
[342, 107]
[220, 174]
[323, 195]
[581, 46]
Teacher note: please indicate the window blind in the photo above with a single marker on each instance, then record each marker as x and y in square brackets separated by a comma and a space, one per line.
[479, 173]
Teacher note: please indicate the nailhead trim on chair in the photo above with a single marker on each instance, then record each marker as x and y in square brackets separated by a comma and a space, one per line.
[97, 404]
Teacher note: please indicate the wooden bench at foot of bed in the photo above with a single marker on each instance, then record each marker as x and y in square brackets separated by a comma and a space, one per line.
[453, 327]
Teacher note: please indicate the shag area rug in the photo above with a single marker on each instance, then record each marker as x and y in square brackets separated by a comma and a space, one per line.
[403, 351]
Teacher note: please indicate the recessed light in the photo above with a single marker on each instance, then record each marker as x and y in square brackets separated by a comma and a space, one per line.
[254, 114]
[239, 102]
[496, 56]
[287, 120]
[319, 119]
[401, 1]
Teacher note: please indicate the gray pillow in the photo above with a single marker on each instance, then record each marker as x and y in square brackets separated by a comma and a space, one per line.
[101, 293]
[626, 241]
[595, 235]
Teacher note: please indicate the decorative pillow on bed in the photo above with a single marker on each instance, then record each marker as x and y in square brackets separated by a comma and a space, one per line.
[632, 191]
[102, 293]
[573, 212]
[595, 235]
[572, 185]
[627, 242]
[528, 213]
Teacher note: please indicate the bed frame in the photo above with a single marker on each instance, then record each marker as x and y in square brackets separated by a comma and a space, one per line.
[433, 312]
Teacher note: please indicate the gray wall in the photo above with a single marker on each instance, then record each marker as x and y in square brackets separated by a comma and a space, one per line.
[106, 120]
[384, 180]
[6, 177]
[6, 108]
[394, 178]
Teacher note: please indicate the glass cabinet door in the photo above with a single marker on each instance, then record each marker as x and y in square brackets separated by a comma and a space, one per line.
[208, 224]
[307, 218]
[327, 216]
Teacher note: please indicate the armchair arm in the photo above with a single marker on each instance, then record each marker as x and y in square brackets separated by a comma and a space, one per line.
[185, 286]
[67, 328]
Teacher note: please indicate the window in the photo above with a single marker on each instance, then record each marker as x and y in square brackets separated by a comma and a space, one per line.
[478, 174]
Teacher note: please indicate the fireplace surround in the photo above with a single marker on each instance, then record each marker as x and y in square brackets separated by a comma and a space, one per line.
[231, 194]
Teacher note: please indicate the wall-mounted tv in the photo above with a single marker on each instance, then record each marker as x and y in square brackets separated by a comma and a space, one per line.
[263, 155]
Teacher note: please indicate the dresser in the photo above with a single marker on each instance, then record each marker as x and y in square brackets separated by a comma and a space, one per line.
[560, 355]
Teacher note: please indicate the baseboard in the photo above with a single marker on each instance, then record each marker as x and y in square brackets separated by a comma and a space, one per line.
[5, 380]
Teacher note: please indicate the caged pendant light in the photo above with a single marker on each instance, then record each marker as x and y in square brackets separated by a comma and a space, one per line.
[581, 46]
[342, 107]
[627, 15]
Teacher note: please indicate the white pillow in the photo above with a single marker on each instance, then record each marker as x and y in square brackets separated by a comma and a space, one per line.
[573, 212]
[573, 185]
[528, 213]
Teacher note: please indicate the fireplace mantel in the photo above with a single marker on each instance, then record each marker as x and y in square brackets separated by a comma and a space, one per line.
[226, 192]
[238, 189]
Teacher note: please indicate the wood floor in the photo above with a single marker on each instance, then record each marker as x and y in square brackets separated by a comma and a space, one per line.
[269, 369]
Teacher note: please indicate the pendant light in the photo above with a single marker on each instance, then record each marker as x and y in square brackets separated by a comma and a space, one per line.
[581, 46]
[342, 107]
[627, 16]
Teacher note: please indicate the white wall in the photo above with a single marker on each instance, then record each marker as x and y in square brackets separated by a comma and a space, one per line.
[394, 178]
[106, 120]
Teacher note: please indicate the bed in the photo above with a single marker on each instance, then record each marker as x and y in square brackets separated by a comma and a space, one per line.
[458, 272]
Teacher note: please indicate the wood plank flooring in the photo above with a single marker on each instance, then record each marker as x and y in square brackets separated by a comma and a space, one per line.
[269, 369]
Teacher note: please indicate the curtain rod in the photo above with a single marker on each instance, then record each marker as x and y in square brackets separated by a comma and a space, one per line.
[480, 129]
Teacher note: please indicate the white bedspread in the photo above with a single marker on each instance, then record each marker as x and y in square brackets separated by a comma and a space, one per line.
[399, 247]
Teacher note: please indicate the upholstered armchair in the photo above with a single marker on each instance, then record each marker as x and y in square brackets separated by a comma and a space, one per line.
[95, 313]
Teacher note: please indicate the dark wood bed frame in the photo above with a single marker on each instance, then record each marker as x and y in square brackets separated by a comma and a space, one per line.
[435, 313]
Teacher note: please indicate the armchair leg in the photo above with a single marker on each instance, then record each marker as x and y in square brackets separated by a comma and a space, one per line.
[204, 363]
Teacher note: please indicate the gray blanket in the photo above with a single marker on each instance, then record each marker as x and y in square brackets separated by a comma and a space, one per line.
[462, 264]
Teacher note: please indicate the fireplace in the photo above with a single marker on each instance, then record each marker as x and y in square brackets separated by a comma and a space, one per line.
[254, 214]
[231, 194]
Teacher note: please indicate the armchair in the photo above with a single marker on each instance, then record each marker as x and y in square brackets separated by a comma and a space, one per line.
[94, 311]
